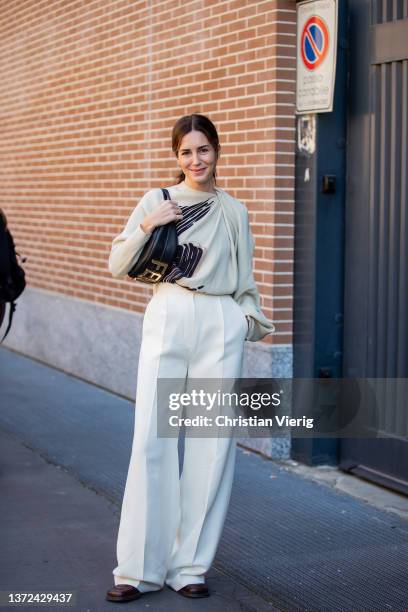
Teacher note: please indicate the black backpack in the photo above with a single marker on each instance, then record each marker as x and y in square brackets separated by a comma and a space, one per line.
[12, 276]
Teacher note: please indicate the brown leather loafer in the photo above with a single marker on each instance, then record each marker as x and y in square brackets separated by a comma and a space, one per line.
[123, 592]
[194, 590]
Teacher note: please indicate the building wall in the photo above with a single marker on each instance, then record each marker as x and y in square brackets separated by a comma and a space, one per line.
[89, 93]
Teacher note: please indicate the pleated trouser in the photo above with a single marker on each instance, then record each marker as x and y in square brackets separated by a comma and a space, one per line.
[170, 526]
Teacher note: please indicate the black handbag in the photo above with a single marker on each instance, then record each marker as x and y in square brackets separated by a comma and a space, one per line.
[158, 252]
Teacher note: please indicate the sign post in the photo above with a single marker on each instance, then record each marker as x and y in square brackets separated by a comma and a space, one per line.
[320, 199]
[316, 55]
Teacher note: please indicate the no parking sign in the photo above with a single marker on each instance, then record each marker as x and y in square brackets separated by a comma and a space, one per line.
[316, 55]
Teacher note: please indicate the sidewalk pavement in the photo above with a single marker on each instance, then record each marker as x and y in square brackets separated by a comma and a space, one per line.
[290, 543]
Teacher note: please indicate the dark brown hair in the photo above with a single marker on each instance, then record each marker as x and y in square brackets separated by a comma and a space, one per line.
[187, 124]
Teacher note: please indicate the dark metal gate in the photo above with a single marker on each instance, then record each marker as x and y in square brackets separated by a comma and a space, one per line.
[376, 238]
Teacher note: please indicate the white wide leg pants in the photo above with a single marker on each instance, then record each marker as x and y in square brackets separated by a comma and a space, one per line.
[170, 527]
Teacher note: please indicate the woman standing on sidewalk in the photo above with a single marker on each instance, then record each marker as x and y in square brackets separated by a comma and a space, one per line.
[194, 327]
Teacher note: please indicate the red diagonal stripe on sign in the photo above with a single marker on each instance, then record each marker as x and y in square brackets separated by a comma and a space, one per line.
[312, 42]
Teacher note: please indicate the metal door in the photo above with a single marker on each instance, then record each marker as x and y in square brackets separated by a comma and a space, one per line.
[376, 239]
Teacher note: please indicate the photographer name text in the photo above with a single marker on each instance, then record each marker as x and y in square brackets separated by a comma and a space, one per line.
[239, 421]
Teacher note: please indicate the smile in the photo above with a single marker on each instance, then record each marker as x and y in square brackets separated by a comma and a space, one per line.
[198, 171]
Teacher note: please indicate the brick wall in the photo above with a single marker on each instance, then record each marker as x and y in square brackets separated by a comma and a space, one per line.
[89, 93]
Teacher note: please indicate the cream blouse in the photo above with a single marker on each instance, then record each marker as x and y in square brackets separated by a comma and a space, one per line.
[215, 249]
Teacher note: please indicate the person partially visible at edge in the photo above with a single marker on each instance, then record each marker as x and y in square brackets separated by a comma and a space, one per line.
[194, 326]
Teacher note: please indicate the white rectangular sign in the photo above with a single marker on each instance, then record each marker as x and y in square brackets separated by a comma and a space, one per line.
[316, 51]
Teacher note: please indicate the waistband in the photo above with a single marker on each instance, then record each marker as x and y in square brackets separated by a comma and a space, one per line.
[171, 287]
[175, 287]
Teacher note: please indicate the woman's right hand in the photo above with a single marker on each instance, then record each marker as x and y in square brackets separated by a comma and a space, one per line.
[167, 211]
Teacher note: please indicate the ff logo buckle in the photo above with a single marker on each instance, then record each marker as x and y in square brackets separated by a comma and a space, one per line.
[154, 276]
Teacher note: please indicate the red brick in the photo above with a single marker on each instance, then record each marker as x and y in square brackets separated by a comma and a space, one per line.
[86, 131]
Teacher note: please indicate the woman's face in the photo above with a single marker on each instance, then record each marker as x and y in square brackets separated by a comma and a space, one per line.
[197, 158]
